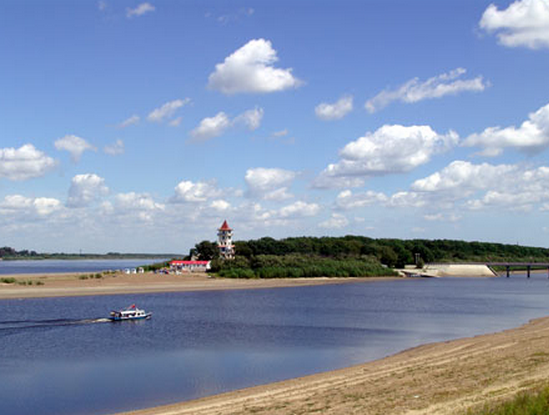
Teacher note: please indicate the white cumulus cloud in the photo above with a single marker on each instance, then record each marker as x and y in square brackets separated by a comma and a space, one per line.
[24, 163]
[299, 209]
[436, 87]
[523, 23]
[140, 10]
[481, 186]
[250, 70]
[251, 119]
[336, 221]
[115, 148]
[134, 119]
[38, 207]
[463, 177]
[76, 146]
[167, 110]
[46, 205]
[85, 189]
[136, 201]
[390, 149]
[175, 122]
[220, 205]
[269, 183]
[531, 137]
[215, 126]
[349, 200]
[188, 191]
[127, 208]
[211, 127]
[335, 111]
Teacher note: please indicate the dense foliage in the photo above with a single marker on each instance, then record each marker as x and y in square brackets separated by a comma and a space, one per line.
[391, 252]
[299, 266]
[7, 252]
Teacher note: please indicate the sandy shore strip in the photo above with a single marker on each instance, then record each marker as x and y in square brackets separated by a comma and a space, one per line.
[441, 378]
[71, 284]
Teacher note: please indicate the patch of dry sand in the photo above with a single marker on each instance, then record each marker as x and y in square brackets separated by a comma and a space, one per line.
[65, 285]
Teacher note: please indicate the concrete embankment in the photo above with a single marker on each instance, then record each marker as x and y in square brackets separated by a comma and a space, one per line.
[454, 270]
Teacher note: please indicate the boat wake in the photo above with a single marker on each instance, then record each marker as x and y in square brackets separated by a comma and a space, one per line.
[14, 325]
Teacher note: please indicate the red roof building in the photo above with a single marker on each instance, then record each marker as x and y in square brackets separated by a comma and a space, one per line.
[196, 266]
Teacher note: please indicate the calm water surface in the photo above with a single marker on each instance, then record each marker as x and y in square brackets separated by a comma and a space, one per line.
[55, 359]
[52, 265]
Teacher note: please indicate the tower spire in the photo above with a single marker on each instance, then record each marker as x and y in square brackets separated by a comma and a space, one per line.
[225, 242]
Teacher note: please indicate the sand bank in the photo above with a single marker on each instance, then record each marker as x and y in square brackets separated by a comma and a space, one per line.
[442, 378]
[68, 285]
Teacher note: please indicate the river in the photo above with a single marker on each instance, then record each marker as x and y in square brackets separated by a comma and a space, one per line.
[59, 357]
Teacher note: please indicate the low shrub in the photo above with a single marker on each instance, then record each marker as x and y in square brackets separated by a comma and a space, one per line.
[301, 266]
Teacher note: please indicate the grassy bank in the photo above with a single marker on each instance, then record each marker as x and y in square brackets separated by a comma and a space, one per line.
[526, 403]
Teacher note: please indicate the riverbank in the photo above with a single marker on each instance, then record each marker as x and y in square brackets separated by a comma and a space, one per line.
[83, 284]
[441, 378]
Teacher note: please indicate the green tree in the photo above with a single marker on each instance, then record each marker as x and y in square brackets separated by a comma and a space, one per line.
[243, 249]
[387, 256]
[205, 250]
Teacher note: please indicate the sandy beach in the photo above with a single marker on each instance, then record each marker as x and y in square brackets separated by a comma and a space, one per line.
[68, 285]
[441, 378]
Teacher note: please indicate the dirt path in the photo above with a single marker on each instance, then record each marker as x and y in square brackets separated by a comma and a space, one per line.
[442, 378]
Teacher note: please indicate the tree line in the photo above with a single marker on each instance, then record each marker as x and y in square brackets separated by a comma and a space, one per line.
[7, 252]
[393, 253]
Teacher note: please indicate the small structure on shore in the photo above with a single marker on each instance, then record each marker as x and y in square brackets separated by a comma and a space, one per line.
[189, 266]
[225, 241]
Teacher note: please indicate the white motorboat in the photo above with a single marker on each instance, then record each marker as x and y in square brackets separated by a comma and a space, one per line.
[130, 313]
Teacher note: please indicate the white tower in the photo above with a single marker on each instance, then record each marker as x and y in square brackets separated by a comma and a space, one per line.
[225, 242]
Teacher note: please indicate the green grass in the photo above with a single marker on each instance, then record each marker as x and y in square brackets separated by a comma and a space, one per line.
[526, 403]
[9, 280]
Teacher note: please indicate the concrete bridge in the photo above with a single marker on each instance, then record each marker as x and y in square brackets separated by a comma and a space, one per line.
[508, 266]
[527, 265]
[473, 269]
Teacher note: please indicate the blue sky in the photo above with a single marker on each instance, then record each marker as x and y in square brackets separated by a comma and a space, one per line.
[141, 125]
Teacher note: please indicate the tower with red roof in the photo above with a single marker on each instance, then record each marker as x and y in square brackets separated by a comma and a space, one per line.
[225, 241]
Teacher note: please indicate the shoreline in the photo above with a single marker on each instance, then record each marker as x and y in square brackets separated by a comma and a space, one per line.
[441, 378]
[70, 284]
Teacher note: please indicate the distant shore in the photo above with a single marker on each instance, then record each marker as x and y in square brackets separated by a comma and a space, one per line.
[443, 378]
[71, 284]
[83, 284]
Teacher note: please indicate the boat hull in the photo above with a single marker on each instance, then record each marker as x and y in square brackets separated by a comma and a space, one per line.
[118, 318]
